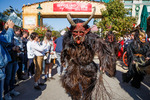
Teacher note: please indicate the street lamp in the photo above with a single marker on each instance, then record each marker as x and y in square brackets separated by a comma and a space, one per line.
[39, 14]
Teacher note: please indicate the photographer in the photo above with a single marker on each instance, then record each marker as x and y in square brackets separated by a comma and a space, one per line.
[6, 37]
[18, 42]
[11, 70]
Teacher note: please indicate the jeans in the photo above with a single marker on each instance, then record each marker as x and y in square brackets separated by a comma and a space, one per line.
[58, 61]
[24, 59]
[2, 85]
[24, 63]
[43, 66]
[10, 72]
[31, 66]
[1, 89]
[14, 71]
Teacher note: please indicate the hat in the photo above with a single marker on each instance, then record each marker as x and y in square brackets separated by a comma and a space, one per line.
[62, 32]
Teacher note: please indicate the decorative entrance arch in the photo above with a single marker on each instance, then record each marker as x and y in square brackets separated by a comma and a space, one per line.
[58, 9]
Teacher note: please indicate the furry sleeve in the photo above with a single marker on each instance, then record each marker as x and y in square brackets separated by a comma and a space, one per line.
[104, 53]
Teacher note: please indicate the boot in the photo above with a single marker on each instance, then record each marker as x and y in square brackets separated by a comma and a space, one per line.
[7, 97]
[15, 93]
[135, 83]
[137, 79]
[125, 77]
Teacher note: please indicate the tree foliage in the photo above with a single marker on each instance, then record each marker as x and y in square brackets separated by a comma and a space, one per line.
[115, 18]
[55, 33]
[49, 27]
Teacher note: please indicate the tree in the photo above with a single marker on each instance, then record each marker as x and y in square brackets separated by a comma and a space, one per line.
[55, 33]
[49, 27]
[115, 18]
[8, 12]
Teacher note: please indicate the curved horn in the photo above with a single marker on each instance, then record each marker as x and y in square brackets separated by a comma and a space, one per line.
[85, 23]
[70, 20]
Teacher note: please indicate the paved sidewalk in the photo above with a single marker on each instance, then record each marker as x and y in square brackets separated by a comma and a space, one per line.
[53, 90]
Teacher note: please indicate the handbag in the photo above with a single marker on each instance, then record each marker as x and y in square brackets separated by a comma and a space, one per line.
[53, 55]
[45, 56]
[48, 60]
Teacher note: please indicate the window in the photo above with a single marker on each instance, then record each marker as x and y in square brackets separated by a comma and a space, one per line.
[145, 1]
[148, 9]
[128, 1]
[106, 1]
[130, 11]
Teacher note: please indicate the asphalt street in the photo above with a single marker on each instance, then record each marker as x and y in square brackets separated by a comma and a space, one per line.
[54, 91]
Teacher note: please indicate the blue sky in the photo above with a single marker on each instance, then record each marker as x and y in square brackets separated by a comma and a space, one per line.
[56, 23]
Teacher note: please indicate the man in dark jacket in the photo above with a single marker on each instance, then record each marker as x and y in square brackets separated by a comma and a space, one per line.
[59, 47]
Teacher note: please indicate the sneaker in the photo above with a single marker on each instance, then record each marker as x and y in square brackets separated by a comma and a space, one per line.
[59, 74]
[29, 74]
[7, 97]
[23, 73]
[135, 85]
[15, 93]
[48, 79]
[63, 72]
[37, 87]
[125, 78]
[45, 79]
[41, 84]
[21, 78]
[30, 77]
[52, 78]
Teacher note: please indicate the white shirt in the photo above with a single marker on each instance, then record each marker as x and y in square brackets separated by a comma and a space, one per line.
[49, 46]
[38, 50]
[30, 53]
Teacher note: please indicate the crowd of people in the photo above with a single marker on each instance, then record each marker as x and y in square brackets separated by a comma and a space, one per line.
[23, 54]
[125, 41]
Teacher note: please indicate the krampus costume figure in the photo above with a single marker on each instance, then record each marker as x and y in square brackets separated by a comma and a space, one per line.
[79, 48]
[112, 43]
[136, 53]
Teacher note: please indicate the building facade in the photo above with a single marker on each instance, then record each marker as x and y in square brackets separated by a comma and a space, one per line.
[137, 6]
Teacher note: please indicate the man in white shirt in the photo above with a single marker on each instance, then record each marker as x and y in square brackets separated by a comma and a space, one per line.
[39, 51]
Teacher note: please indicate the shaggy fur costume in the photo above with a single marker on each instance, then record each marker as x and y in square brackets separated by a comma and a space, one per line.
[112, 43]
[134, 48]
[81, 73]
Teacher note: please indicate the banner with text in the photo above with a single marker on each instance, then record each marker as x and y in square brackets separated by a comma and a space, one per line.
[72, 7]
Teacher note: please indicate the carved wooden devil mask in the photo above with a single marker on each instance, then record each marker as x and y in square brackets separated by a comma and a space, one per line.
[79, 30]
